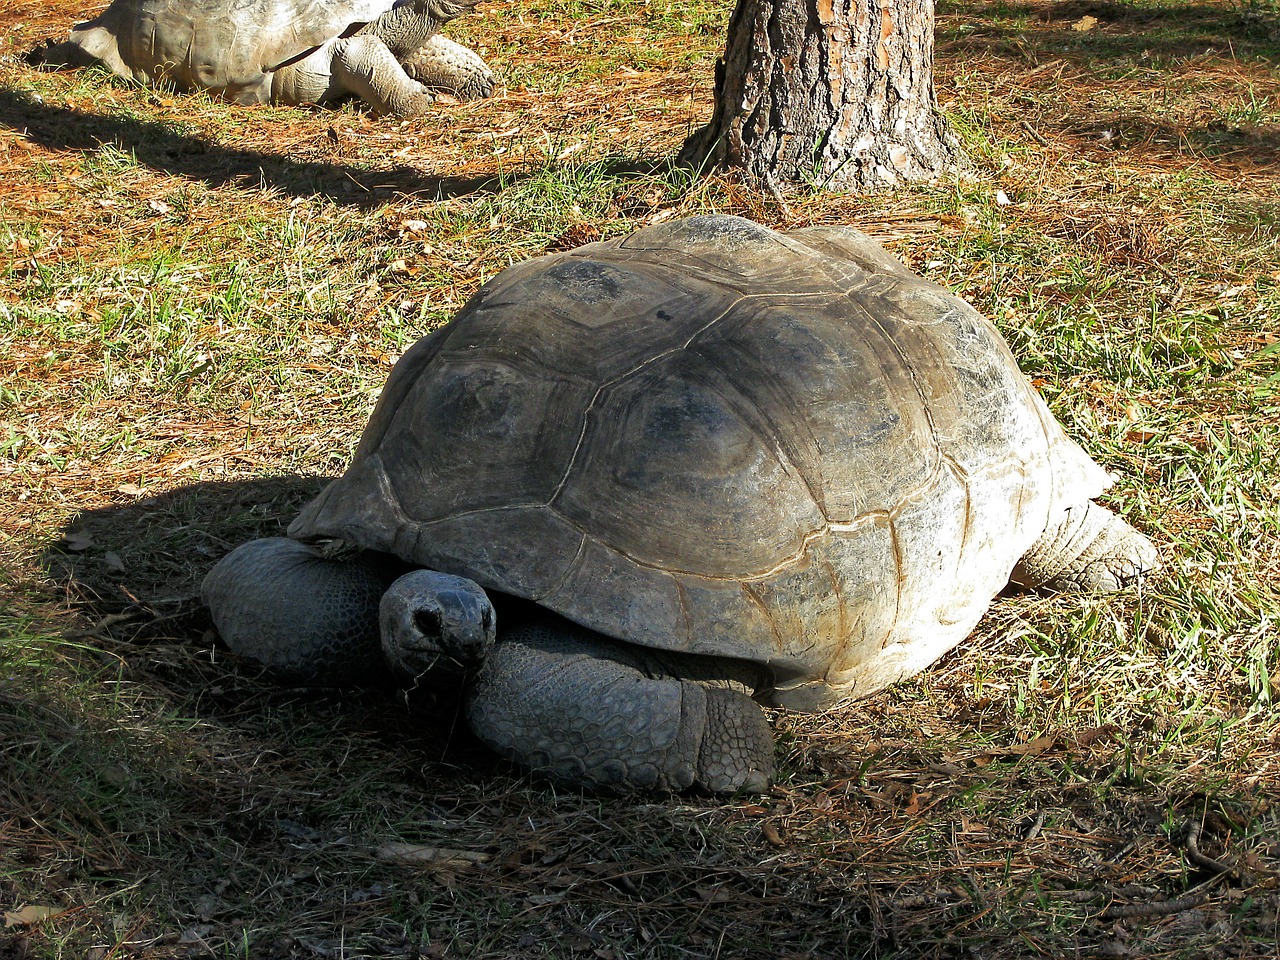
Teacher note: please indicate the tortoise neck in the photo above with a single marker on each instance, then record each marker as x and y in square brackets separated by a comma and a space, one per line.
[410, 23]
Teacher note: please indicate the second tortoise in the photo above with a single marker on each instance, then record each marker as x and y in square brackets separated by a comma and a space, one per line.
[388, 53]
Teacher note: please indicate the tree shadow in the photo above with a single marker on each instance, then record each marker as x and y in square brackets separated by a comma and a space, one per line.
[165, 150]
[137, 566]
[1154, 36]
[1247, 147]
[132, 572]
[1150, 40]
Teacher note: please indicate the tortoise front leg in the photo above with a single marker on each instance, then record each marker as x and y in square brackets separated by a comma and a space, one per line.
[309, 619]
[362, 65]
[443, 64]
[569, 704]
[369, 64]
[406, 27]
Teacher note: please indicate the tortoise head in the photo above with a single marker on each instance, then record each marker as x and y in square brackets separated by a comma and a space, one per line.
[436, 622]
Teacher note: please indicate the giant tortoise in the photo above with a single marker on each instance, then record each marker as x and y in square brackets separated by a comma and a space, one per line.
[718, 467]
[388, 53]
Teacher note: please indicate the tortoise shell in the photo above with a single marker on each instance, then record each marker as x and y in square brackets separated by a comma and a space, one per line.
[710, 437]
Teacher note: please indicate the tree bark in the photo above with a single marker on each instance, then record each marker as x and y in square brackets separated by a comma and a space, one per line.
[833, 93]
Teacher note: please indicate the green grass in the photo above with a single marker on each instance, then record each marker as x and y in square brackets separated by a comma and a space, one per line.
[199, 305]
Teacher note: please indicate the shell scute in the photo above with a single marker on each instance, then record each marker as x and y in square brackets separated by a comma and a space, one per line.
[676, 444]
[515, 426]
[589, 317]
[484, 547]
[835, 394]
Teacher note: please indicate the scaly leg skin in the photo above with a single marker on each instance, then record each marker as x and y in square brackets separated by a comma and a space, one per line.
[571, 705]
[369, 64]
[308, 619]
[443, 64]
[408, 26]
[1089, 549]
[363, 66]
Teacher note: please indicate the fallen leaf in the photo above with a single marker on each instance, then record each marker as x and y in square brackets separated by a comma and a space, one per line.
[26, 916]
[1140, 436]
[77, 541]
[1032, 748]
[543, 899]
[116, 775]
[713, 894]
[1088, 736]
[433, 858]
[772, 834]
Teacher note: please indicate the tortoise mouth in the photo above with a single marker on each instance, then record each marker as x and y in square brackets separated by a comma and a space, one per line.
[451, 650]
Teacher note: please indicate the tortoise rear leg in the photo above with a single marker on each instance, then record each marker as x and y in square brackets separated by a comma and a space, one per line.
[1087, 548]
[572, 705]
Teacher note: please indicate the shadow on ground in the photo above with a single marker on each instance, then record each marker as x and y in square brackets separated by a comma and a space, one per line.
[137, 566]
[196, 158]
[133, 571]
[1156, 36]
[1125, 41]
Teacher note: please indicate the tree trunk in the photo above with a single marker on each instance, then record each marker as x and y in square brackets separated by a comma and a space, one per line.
[833, 93]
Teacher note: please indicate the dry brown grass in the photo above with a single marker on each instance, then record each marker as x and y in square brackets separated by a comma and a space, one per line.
[200, 304]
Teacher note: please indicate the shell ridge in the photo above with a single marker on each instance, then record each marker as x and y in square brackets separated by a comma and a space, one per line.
[966, 525]
[778, 640]
[906, 365]
[573, 565]
[586, 414]
[807, 539]
[899, 578]
[657, 260]
[583, 425]
[501, 360]
[779, 446]
[846, 623]
[682, 601]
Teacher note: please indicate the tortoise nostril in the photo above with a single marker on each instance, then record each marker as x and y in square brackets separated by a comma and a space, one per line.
[429, 623]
